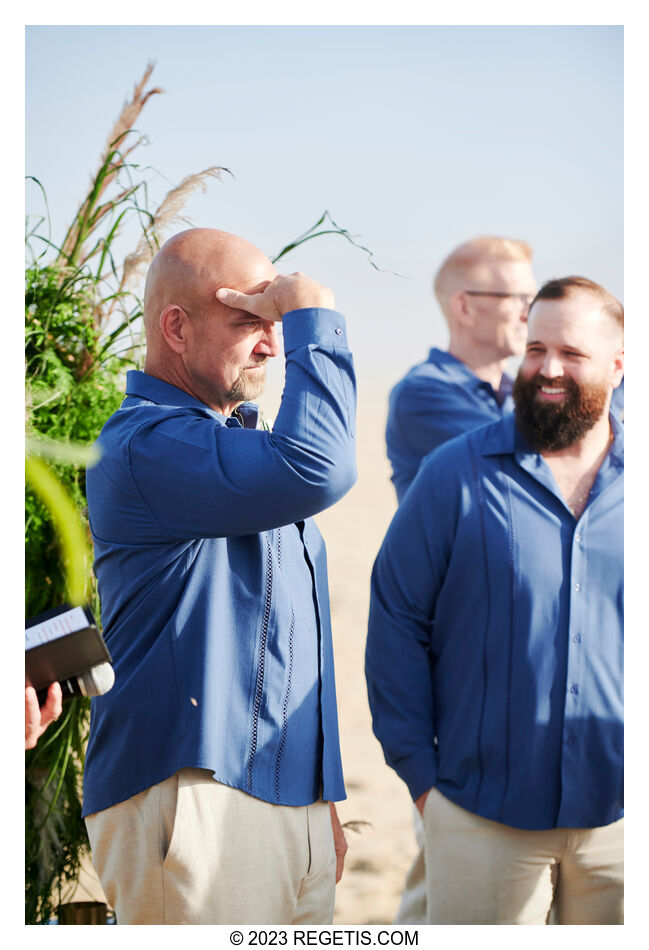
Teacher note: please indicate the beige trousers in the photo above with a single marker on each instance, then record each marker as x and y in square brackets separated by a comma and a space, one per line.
[412, 908]
[482, 872]
[193, 851]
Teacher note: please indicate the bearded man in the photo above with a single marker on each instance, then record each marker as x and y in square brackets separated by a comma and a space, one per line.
[495, 644]
[213, 763]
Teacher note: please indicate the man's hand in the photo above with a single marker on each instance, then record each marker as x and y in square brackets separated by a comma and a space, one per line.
[340, 843]
[37, 719]
[420, 802]
[284, 293]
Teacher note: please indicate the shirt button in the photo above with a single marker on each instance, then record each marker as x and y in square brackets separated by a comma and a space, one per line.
[577, 586]
[574, 688]
[339, 331]
[576, 638]
[578, 538]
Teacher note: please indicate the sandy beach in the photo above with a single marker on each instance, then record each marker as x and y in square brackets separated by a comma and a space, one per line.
[379, 856]
[380, 853]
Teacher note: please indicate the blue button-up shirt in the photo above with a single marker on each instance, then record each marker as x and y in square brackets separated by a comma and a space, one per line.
[434, 402]
[494, 653]
[213, 582]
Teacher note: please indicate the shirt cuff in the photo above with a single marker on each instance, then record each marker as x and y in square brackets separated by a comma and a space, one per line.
[313, 326]
[418, 771]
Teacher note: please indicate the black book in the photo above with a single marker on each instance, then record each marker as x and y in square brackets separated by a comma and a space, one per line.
[60, 644]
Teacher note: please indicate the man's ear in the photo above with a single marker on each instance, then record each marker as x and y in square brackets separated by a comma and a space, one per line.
[618, 368]
[174, 324]
[460, 309]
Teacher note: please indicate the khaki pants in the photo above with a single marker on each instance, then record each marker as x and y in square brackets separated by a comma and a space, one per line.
[193, 851]
[412, 908]
[483, 872]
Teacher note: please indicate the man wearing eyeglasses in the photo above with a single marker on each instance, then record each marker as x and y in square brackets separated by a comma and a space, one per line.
[484, 289]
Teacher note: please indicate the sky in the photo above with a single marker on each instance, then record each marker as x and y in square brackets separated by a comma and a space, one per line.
[414, 138]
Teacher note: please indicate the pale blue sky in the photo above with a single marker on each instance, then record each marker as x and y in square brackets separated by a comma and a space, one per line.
[414, 138]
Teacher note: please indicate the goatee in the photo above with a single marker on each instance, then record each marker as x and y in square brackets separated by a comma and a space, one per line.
[556, 425]
[248, 385]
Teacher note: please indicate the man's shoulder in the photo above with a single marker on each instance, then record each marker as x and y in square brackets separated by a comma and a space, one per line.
[492, 438]
[439, 366]
[137, 416]
[440, 375]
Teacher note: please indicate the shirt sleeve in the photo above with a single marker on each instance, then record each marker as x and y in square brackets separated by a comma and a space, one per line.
[407, 576]
[425, 413]
[201, 478]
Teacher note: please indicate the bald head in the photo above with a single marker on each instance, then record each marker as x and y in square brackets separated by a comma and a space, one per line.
[478, 264]
[191, 266]
[195, 342]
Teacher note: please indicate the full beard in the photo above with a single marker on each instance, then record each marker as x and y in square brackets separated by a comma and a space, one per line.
[556, 425]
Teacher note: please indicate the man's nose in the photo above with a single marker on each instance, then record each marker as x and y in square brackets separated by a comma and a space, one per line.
[269, 344]
[552, 366]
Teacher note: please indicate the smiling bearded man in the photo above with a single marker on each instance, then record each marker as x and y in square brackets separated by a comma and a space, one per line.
[494, 657]
[554, 413]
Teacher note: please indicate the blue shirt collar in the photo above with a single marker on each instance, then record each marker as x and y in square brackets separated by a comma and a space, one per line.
[459, 372]
[141, 385]
[504, 438]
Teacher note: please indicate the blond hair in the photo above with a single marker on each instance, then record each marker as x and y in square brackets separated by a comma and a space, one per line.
[473, 255]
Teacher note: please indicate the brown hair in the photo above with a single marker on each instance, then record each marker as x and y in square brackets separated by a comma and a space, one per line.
[562, 287]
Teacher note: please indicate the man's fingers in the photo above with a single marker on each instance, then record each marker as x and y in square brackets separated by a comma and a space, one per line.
[234, 298]
[281, 295]
[340, 842]
[261, 305]
[38, 718]
[32, 718]
[53, 706]
[420, 802]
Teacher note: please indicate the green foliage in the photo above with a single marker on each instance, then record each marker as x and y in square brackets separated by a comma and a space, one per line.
[73, 385]
[54, 830]
[69, 396]
[319, 229]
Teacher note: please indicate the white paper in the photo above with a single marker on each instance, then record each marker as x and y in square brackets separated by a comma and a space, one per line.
[59, 626]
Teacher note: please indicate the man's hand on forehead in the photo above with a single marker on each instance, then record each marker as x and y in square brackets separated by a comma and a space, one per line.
[285, 293]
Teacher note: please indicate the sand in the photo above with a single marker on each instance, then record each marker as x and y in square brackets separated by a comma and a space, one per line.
[379, 856]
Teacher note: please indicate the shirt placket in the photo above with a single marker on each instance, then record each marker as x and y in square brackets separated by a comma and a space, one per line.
[574, 712]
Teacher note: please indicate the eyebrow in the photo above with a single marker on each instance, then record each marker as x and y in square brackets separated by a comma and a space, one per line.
[563, 346]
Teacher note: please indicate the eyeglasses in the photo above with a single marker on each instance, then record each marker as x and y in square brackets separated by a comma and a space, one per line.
[525, 299]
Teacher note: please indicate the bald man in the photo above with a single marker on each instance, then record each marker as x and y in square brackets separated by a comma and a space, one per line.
[213, 763]
[484, 289]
